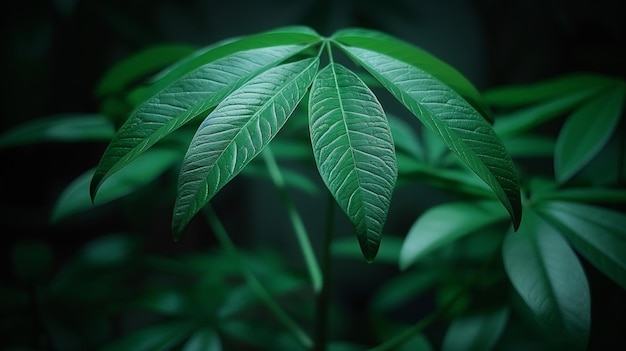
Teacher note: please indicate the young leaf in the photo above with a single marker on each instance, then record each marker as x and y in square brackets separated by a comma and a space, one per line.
[60, 128]
[478, 332]
[548, 276]
[598, 234]
[442, 110]
[193, 95]
[400, 50]
[235, 132]
[443, 224]
[353, 150]
[586, 132]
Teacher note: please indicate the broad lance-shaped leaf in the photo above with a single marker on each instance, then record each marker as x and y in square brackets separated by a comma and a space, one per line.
[599, 234]
[354, 151]
[442, 110]
[587, 130]
[235, 132]
[191, 96]
[550, 279]
[400, 50]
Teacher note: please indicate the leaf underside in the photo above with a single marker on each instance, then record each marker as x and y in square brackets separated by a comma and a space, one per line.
[235, 132]
[446, 113]
[354, 151]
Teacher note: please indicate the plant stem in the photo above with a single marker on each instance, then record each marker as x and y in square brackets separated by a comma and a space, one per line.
[296, 221]
[323, 299]
[253, 282]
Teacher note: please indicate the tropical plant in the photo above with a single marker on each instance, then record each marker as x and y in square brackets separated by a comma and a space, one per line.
[295, 97]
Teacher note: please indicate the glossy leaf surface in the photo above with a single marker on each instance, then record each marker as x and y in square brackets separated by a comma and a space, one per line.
[235, 132]
[597, 233]
[586, 132]
[192, 96]
[461, 127]
[443, 224]
[354, 151]
[548, 276]
[411, 54]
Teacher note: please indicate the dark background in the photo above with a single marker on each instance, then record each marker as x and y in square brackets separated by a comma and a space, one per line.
[55, 52]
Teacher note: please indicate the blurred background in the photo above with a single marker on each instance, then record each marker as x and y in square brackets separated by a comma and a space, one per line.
[54, 52]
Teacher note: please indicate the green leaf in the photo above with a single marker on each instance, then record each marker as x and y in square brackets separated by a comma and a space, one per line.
[548, 276]
[235, 132]
[146, 168]
[529, 117]
[447, 114]
[60, 128]
[160, 337]
[511, 96]
[203, 339]
[477, 332]
[139, 65]
[353, 150]
[445, 223]
[412, 55]
[598, 234]
[193, 95]
[586, 132]
[292, 35]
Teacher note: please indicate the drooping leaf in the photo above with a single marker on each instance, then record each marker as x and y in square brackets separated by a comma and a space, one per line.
[146, 168]
[445, 223]
[548, 276]
[60, 128]
[528, 117]
[203, 339]
[193, 95]
[139, 65]
[598, 234]
[476, 332]
[461, 127]
[159, 337]
[550, 89]
[353, 150]
[400, 50]
[235, 132]
[586, 132]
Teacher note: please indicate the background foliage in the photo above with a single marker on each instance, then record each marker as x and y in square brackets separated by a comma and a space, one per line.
[58, 52]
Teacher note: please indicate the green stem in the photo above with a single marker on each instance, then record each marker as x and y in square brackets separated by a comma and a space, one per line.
[253, 282]
[296, 221]
[323, 299]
